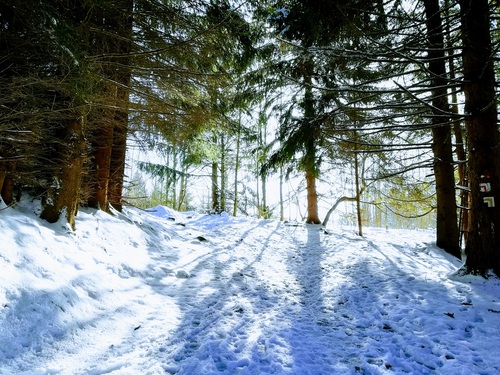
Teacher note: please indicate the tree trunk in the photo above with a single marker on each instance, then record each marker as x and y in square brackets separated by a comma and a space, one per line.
[483, 244]
[120, 131]
[263, 209]
[102, 147]
[2, 179]
[182, 187]
[334, 207]
[215, 188]
[463, 220]
[358, 193]
[282, 208]
[65, 194]
[7, 190]
[310, 144]
[447, 236]
[112, 124]
[312, 198]
[223, 174]
[257, 187]
[168, 177]
[446, 210]
[236, 168]
[173, 190]
[117, 164]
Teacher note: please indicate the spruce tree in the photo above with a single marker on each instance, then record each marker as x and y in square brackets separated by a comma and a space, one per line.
[483, 243]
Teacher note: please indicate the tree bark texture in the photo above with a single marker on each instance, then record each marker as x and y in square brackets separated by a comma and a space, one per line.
[312, 198]
[8, 190]
[64, 196]
[120, 132]
[447, 236]
[102, 147]
[117, 164]
[483, 243]
[111, 122]
[6, 183]
[2, 177]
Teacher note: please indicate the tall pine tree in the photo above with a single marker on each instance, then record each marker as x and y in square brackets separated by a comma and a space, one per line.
[483, 242]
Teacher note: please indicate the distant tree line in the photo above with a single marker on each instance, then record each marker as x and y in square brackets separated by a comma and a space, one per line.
[383, 89]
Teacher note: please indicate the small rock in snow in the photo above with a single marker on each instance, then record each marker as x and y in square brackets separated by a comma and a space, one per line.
[181, 274]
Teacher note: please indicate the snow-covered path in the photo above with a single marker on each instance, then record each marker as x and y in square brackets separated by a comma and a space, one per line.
[300, 300]
[140, 294]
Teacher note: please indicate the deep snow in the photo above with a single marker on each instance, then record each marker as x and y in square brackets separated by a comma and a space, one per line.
[163, 292]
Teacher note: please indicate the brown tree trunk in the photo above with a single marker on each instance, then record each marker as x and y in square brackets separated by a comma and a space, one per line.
[8, 190]
[65, 194]
[102, 148]
[311, 133]
[111, 122]
[312, 198]
[2, 179]
[447, 236]
[3, 173]
[483, 244]
[118, 154]
[120, 131]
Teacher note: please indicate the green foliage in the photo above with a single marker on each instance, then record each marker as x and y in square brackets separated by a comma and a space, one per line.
[315, 65]
[45, 80]
[409, 199]
[196, 66]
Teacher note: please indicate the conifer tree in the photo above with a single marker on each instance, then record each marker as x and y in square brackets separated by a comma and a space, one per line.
[483, 243]
[47, 84]
[305, 28]
[446, 212]
[110, 47]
